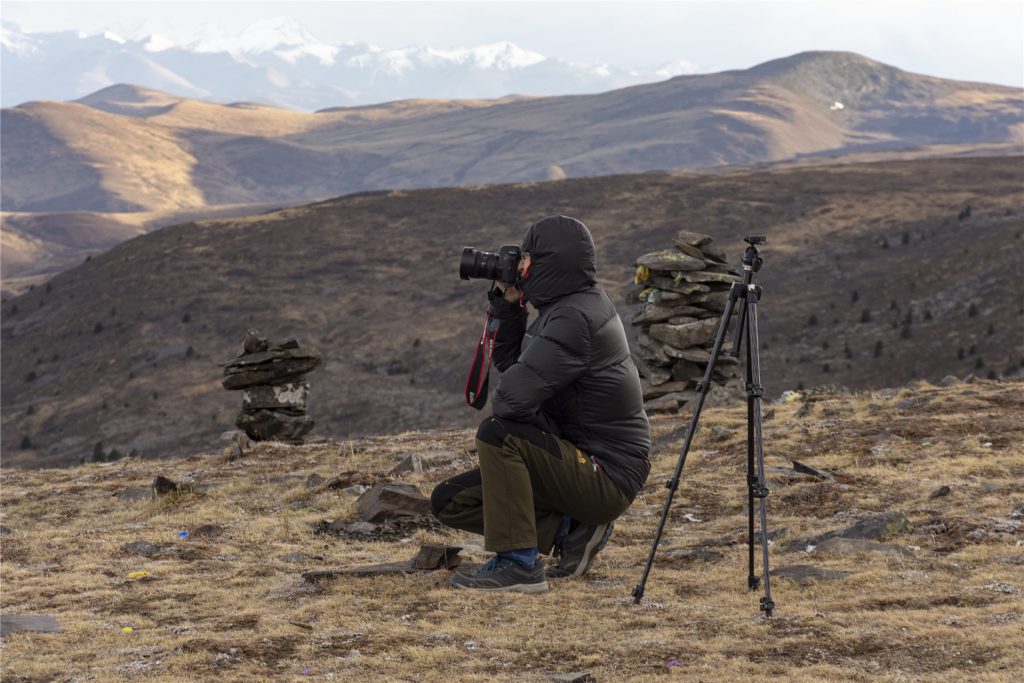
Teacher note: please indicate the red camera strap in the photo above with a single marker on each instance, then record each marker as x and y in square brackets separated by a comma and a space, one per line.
[476, 383]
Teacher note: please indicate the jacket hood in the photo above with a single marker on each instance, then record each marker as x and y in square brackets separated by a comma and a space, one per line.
[563, 260]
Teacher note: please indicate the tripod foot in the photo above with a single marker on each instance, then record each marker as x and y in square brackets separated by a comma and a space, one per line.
[753, 582]
[767, 606]
[638, 594]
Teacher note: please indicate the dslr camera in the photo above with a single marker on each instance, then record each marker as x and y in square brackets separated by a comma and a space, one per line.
[503, 266]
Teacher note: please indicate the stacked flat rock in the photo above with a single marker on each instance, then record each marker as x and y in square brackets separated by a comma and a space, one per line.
[684, 291]
[273, 391]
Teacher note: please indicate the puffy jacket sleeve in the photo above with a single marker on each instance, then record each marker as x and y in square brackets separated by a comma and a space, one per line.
[511, 319]
[556, 357]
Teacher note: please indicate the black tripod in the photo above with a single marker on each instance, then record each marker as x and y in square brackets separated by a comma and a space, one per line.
[747, 294]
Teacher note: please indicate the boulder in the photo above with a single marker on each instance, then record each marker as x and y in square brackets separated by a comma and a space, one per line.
[651, 391]
[291, 395]
[652, 373]
[277, 365]
[669, 259]
[691, 239]
[263, 425]
[676, 284]
[683, 370]
[683, 336]
[652, 352]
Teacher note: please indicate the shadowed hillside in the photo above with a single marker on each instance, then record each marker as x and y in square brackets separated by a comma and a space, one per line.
[933, 593]
[131, 149]
[876, 274]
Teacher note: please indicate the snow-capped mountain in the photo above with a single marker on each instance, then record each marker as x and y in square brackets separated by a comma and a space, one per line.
[278, 62]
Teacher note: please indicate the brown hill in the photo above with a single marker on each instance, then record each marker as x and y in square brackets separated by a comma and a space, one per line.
[876, 274]
[135, 149]
[936, 598]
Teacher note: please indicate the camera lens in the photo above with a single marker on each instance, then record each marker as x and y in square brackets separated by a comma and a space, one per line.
[478, 264]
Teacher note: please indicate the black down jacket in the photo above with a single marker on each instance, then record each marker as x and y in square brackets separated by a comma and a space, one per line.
[570, 373]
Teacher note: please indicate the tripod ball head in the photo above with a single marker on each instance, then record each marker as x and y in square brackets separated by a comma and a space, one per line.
[751, 259]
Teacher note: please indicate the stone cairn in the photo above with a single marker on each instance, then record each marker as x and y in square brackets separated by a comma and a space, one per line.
[683, 291]
[273, 392]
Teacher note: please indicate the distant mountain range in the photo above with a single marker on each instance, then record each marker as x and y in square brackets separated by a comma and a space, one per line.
[279, 63]
[134, 159]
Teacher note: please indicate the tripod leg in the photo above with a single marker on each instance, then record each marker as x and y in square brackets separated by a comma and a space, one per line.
[703, 388]
[758, 489]
[753, 583]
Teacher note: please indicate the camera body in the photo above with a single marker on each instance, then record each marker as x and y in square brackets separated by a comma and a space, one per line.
[483, 265]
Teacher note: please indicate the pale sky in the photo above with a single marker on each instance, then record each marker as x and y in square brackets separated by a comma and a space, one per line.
[979, 40]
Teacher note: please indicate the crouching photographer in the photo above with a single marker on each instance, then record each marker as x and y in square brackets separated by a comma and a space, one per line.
[566, 449]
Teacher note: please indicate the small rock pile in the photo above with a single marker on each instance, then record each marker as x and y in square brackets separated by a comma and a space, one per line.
[273, 393]
[684, 291]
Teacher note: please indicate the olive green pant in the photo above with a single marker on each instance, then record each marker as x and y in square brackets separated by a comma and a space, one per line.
[528, 480]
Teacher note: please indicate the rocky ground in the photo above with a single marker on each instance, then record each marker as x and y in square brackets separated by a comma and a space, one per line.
[899, 559]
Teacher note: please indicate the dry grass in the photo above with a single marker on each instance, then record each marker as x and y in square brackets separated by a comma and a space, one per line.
[228, 608]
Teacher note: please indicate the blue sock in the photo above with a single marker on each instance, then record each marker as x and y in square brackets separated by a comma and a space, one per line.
[525, 557]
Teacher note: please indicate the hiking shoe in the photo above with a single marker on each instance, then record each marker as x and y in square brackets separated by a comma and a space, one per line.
[502, 574]
[578, 549]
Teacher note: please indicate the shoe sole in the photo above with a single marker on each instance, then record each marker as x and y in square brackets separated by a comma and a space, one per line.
[514, 588]
[596, 543]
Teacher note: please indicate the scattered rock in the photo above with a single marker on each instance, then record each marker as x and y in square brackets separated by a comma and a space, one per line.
[346, 479]
[1006, 526]
[782, 474]
[933, 527]
[208, 531]
[298, 558]
[694, 555]
[314, 480]
[813, 471]
[949, 381]
[144, 548]
[852, 546]
[162, 486]
[574, 677]
[805, 574]
[1018, 510]
[5, 531]
[357, 528]
[136, 493]
[354, 490]
[430, 557]
[433, 556]
[940, 492]
[911, 403]
[37, 623]
[878, 527]
[410, 463]
[386, 501]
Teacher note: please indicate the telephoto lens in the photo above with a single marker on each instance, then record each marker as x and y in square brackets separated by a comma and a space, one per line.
[481, 265]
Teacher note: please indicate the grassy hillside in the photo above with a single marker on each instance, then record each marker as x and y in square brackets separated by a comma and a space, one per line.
[872, 277]
[941, 600]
